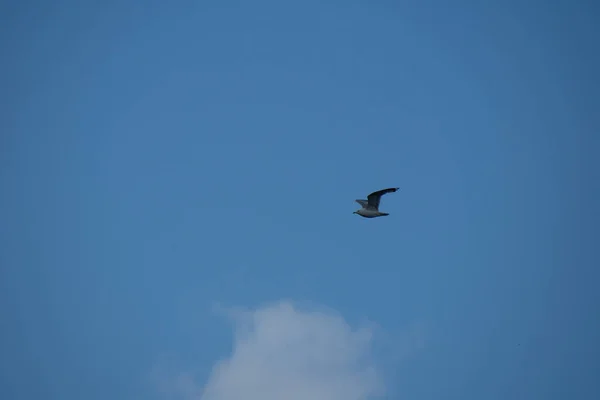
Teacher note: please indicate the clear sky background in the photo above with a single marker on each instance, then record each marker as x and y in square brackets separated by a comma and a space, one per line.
[178, 181]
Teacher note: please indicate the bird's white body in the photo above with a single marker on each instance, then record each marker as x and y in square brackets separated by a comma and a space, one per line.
[368, 213]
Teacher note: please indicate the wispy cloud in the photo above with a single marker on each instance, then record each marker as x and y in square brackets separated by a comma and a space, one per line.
[283, 352]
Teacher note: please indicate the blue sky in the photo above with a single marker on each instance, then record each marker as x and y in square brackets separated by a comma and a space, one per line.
[165, 163]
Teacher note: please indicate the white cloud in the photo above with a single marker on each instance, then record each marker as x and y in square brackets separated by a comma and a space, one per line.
[283, 353]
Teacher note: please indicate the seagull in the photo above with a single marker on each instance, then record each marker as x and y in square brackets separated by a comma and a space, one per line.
[370, 207]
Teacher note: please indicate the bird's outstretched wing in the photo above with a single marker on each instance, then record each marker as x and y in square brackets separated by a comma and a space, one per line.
[363, 203]
[375, 197]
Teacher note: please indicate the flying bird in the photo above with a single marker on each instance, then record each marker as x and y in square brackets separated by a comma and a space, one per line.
[370, 207]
